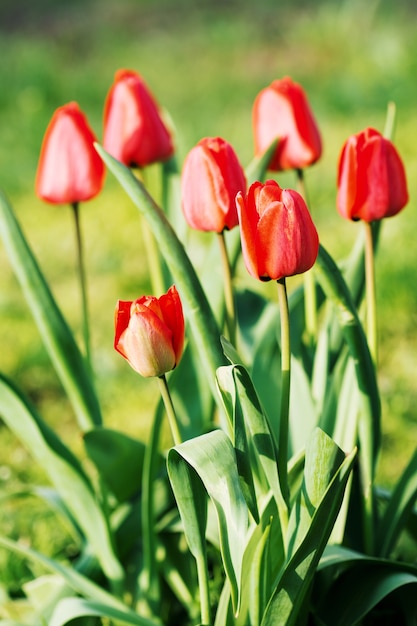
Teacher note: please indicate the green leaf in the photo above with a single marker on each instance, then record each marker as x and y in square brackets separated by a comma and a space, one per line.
[212, 458]
[366, 582]
[307, 544]
[258, 167]
[337, 291]
[242, 403]
[119, 460]
[79, 583]
[56, 335]
[323, 458]
[398, 509]
[369, 421]
[64, 471]
[196, 306]
[73, 608]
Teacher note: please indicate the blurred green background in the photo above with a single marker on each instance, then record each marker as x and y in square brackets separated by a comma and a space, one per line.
[205, 62]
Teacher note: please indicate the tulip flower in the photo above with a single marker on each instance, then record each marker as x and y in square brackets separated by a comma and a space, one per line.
[278, 236]
[134, 132]
[149, 333]
[281, 111]
[371, 178]
[212, 176]
[69, 170]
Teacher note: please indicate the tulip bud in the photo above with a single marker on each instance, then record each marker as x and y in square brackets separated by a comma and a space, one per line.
[278, 236]
[69, 169]
[371, 178]
[134, 132]
[212, 176]
[149, 333]
[281, 111]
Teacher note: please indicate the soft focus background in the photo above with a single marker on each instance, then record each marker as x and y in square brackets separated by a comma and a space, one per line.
[205, 62]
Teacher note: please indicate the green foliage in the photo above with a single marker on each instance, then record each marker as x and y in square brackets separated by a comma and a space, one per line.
[201, 532]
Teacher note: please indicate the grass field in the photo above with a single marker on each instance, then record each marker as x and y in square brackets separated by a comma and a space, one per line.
[205, 63]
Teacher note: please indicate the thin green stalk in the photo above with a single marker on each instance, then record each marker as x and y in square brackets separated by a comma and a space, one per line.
[148, 584]
[228, 290]
[371, 315]
[285, 389]
[310, 300]
[83, 286]
[169, 407]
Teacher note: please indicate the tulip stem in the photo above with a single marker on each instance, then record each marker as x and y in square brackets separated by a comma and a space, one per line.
[83, 286]
[285, 390]
[169, 407]
[228, 290]
[148, 586]
[371, 315]
[310, 300]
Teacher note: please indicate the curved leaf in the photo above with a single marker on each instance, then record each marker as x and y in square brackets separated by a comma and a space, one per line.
[79, 583]
[64, 472]
[398, 509]
[213, 460]
[73, 608]
[56, 335]
[288, 601]
[118, 458]
[366, 582]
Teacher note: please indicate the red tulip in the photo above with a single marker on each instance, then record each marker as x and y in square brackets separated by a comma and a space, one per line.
[69, 169]
[281, 111]
[134, 132]
[149, 333]
[278, 236]
[212, 176]
[371, 178]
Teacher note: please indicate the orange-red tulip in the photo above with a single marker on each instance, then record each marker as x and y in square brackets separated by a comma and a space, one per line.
[211, 178]
[371, 178]
[278, 236]
[134, 132]
[281, 111]
[149, 333]
[69, 169]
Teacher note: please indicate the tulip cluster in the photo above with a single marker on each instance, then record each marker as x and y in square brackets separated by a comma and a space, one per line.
[70, 169]
[278, 236]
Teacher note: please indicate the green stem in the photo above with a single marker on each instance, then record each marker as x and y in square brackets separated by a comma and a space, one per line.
[310, 300]
[83, 285]
[169, 407]
[148, 585]
[285, 389]
[371, 316]
[228, 290]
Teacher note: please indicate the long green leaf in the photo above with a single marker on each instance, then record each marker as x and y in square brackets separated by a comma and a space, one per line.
[398, 509]
[288, 601]
[234, 383]
[79, 583]
[369, 422]
[64, 472]
[366, 581]
[212, 457]
[73, 608]
[196, 306]
[56, 335]
[337, 291]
